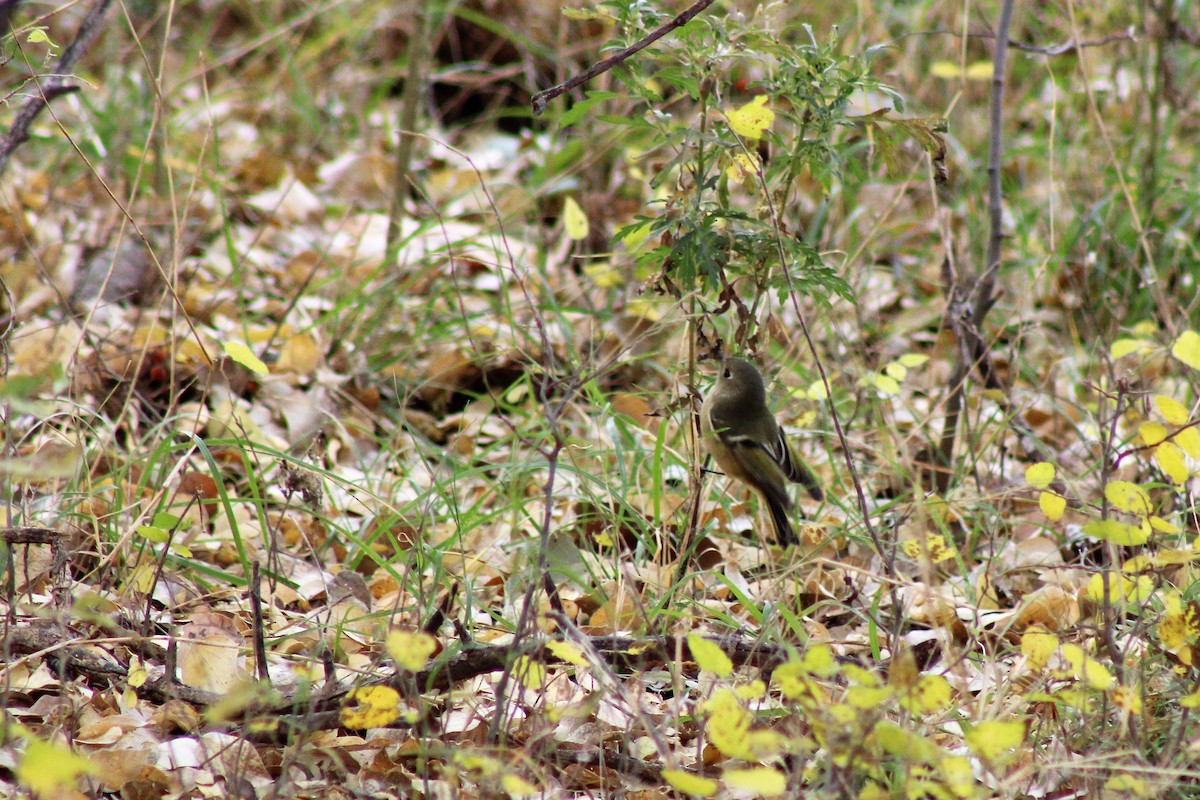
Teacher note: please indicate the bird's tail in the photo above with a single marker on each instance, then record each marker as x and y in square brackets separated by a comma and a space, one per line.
[783, 526]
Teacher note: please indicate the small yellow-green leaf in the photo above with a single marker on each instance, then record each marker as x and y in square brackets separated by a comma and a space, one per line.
[885, 384]
[604, 274]
[868, 696]
[411, 650]
[1151, 433]
[819, 661]
[153, 533]
[1172, 410]
[1162, 526]
[50, 769]
[1122, 533]
[1125, 785]
[753, 119]
[980, 71]
[1117, 586]
[574, 220]
[896, 370]
[567, 652]
[245, 356]
[1126, 347]
[1187, 349]
[1128, 497]
[1188, 440]
[1172, 462]
[743, 168]
[1037, 645]
[1040, 474]
[905, 744]
[1053, 505]
[529, 672]
[933, 694]
[763, 781]
[709, 656]
[959, 775]
[989, 740]
[1094, 674]
[912, 360]
[816, 391]
[516, 786]
[690, 784]
[374, 707]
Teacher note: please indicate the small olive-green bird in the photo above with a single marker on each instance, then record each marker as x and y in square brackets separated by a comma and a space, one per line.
[747, 443]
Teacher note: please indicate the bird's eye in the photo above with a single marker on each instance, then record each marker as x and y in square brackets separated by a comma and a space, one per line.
[726, 374]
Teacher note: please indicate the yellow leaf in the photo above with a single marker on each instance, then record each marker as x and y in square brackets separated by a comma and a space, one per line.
[1039, 475]
[975, 71]
[411, 651]
[959, 775]
[709, 656]
[1162, 526]
[1037, 645]
[516, 786]
[743, 167]
[1052, 505]
[819, 661]
[944, 69]
[980, 71]
[1187, 349]
[1170, 459]
[574, 220]
[1086, 668]
[690, 784]
[754, 690]
[912, 360]
[1188, 440]
[376, 707]
[751, 120]
[1122, 533]
[604, 274]
[1125, 785]
[1119, 587]
[933, 693]
[1151, 433]
[245, 356]
[1128, 497]
[299, 354]
[905, 744]
[816, 391]
[763, 781]
[529, 672]
[137, 674]
[1171, 409]
[48, 768]
[896, 370]
[885, 384]
[1125, 347]
[868, 696]
[990, 740]
[1126, 698]
[567, 652]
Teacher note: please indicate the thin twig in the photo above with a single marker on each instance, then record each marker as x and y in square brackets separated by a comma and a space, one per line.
[55, 85]
[543, 97]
